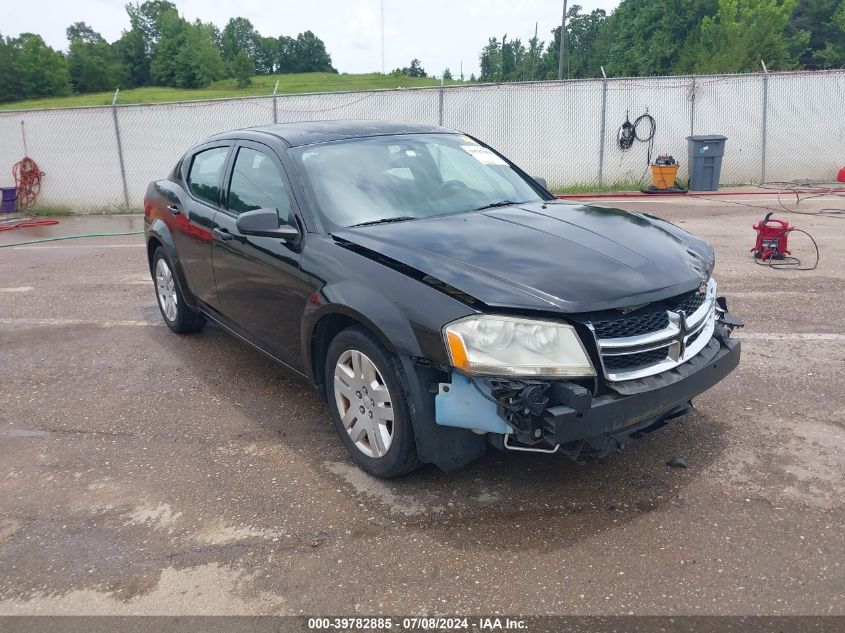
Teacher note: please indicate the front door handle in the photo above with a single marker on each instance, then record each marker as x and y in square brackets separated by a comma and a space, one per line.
[222, 234]
[174, 209]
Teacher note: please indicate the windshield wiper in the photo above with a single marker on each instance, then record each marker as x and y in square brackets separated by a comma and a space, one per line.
[493, 205]
[400, 218]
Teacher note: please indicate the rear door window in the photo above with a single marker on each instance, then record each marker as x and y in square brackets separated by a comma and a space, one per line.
[206, 174]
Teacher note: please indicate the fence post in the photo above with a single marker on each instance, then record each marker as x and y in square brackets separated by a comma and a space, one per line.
[603, 125]
[119, 149]
[692, 108]
[275, 90]
[440, 104]
[765, 121]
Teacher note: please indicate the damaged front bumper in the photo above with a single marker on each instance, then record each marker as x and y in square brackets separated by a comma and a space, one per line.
[545, 416]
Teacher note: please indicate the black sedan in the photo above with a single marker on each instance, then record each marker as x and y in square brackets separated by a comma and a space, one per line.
[441, 300]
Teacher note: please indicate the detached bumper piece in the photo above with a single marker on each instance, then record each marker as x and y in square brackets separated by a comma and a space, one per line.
[548, 416]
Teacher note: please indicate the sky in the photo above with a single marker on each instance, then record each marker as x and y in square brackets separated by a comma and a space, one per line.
[441, 33]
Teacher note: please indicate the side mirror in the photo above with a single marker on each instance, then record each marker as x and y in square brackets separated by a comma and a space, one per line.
[265, 223]
[541, 181]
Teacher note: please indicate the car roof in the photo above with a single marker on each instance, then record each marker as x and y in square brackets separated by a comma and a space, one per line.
[309, 132]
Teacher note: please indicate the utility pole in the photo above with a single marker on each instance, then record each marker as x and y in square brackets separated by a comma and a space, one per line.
[534, 52]
[562, 43]
[382, 37]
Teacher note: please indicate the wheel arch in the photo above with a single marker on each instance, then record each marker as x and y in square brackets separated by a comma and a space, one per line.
[325, 327]
[336, 308]
[159, 236]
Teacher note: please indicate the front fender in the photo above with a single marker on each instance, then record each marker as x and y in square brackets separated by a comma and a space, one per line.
[363, 304]
[446, 447]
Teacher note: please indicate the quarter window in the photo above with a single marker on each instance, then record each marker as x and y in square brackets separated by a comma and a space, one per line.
[206, 173]
[257, 184]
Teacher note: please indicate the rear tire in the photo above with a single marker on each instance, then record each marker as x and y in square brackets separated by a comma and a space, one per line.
[368, 402]
[178, 316]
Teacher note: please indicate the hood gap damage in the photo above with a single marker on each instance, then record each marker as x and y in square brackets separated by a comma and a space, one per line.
[414, 273]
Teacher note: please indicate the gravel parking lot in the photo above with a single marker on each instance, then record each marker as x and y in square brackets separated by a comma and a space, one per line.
[144, 472]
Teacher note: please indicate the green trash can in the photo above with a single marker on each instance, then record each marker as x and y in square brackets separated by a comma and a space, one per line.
[705, 152]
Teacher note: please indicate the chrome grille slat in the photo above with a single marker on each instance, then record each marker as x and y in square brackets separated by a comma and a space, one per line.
[688, 327]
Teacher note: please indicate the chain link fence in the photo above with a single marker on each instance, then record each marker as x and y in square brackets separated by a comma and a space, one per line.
[780, 126]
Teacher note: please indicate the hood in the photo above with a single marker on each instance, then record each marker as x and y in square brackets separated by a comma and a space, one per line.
[546, 256]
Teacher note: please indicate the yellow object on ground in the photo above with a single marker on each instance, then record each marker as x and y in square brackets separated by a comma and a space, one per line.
[663, 176]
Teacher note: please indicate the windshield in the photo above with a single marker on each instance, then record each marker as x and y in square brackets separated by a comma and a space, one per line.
[407, 177]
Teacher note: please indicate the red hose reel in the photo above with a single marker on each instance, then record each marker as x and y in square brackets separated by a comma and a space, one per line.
[27, 177]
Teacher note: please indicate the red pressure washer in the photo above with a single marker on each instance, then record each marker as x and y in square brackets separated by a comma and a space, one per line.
[771, 238]
[771, 248]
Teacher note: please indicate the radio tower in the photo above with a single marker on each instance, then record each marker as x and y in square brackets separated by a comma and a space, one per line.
[382, 37]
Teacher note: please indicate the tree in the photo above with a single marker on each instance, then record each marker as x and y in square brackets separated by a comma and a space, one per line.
[132, 52]
[239, 35]
[650, 37]
[582, 31]
[743, 32]
[242, 69]
[203, 62]
[309, 54]
[266, 54]
[186, 55]
[136, 46]
[514, 56]
[414, 70]
[506, 61]
[147, 19]
[8, 79]
[37, 69]
[534, 57]
[447, 75]
[285, 54]
[825, 21]
[93, 63]
[491, 61]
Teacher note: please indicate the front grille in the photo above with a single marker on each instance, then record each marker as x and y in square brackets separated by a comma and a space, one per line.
[654, 321]
[631, 326]
[621, 339]
[691, 303]
[629, 362]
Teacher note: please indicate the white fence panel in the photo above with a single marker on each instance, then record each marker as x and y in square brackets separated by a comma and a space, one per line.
[733, 106]
[154, 137]
[550, 129]
[76, 150]
[419, 106]
[668, 101]
[806, 127]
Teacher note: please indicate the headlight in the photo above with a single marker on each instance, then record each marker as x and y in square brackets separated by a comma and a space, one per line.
[510, 346]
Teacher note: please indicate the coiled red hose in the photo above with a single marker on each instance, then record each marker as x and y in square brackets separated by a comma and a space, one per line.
[27, 177]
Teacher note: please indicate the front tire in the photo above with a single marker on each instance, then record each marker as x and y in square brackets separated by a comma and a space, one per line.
[178, 316]
[364, 382]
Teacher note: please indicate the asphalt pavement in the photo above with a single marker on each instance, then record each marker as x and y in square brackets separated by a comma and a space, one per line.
[146, 472]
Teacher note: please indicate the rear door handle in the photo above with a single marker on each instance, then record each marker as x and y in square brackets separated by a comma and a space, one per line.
[222, 234]
[174, 209]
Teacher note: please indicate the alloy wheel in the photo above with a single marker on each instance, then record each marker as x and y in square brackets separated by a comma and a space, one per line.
[166, 290]
[364, 403]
